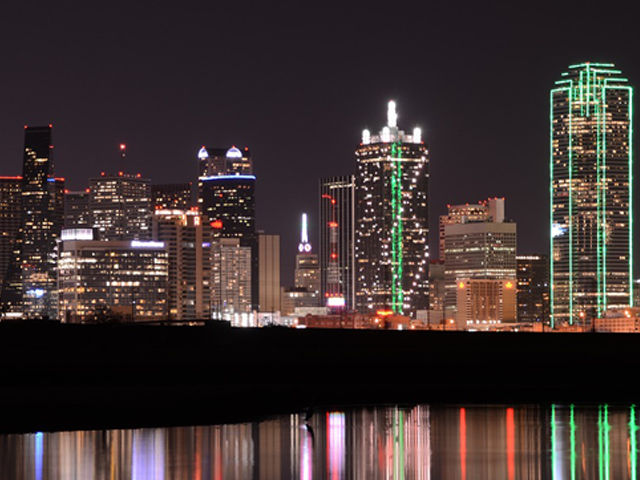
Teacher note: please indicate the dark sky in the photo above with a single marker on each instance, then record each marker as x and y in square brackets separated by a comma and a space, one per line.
[297, 83]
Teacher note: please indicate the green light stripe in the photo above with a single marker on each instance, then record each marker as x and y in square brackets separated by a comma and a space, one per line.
[633, 445]
[397, 293]
[573, 444]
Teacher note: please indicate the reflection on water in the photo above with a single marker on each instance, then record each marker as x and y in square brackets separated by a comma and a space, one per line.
[558, 442]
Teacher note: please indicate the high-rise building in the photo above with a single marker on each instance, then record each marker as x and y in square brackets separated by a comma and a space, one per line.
[215, 161]
[128, 278]
[466, 213]
[171, 196]
[392, 221]
[591, 163]
[42, 217]
[226, 197]
[10, 217]
[231, 282]
[188, 241]
[120, 206]
[269, 271]
[533, 288]
[337, 208]
[483, 304]
[76, 209]
[479, 250]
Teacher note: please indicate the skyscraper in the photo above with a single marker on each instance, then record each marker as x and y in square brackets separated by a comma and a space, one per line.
[392, 221]
[171, 196]
[533, 288]
[10, 217]
[42, 217]
[591, 213]
[337, 204]
[120, 206]
[226, 197]
[76, 209]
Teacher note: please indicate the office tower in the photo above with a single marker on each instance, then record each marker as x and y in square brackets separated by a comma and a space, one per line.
[435, 315]
[76, 209]
[591, 216]
[171, 196]
[120, 206]
[461, 214]
[226, 196]
[533, 288]
[42, 217]
[269, 271]
[126, 278]
[479, 250]
[392, 221]
[306, 289]
[224, 161]
[307, 274]
[10, 217]
[484, 303]
[231, 282]
[188, 241]
[337, 208]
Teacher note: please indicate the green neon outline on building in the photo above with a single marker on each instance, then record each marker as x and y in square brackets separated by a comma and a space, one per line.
[397, 294]
[588, 109]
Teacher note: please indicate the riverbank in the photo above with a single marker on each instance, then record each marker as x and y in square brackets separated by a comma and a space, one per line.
[66, 377]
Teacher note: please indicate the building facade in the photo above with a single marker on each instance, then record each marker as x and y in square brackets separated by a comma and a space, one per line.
[231, 282]
[120, 206]
[127, 278]
[482, 303]
[42, 218]
[479, 250]
[76, 209]
[188, 242]
[533, 288]
[392, 221]
[591, 163]
[10, 219]
[337, 205]
[171, 196]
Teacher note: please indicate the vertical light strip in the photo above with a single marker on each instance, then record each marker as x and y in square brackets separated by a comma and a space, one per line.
[573, 444]
[553, 444]
[633, 444]
[603, 200]
[397, 294]
[551, 292]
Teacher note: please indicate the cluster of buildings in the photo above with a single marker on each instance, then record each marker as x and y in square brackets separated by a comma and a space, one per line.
[190, 251]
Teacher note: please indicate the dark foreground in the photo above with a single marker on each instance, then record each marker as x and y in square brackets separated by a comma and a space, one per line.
[67, 377]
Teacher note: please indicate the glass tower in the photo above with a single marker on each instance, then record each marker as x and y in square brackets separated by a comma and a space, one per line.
[591, 159]
[392, 223]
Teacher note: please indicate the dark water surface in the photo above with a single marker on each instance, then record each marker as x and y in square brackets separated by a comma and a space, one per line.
[465, 442]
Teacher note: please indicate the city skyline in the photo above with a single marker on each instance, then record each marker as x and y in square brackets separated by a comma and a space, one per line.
[165, 84]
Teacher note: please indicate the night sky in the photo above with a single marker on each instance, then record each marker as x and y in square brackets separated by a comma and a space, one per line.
[297, 83]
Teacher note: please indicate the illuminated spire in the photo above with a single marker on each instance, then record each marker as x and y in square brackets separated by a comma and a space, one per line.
[392, 116]
[304, 245]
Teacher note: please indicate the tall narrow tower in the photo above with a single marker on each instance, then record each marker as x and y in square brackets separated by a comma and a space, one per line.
[391, 248]
[42, 217]
[591, 161]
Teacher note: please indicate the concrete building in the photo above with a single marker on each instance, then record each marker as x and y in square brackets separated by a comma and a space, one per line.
[457, 214]
[269, 272]
[479, 250]
[188, 242]
[483, 303]
[231, 282]
[111, 278]
[618, 320]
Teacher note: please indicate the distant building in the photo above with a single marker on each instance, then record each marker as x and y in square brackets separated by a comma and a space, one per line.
[171, 196]
[340, 189]
[591, 165]
[76, 209]
[435, 314]
[483, 302]
[42, 217]
[10, 219]
[533, 288]
[215, 161]
[120, 206]
[392, 220]
[269, 271]
[188, 241]
[127, 278]
[457, 214]
[231, 282]
[479, 250]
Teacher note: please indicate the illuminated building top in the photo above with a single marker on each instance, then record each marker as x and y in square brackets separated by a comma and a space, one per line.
[304, 246]
[390, 132]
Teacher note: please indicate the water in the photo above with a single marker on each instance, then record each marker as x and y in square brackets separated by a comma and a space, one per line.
[519, 442]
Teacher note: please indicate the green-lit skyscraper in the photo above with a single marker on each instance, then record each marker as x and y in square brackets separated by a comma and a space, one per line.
[590, 167]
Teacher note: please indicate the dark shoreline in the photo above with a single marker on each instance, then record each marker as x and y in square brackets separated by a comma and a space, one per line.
[84, 377]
